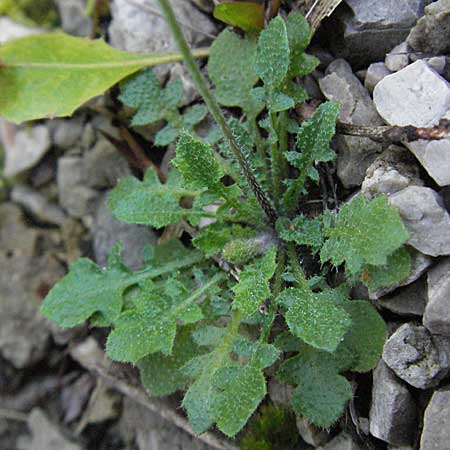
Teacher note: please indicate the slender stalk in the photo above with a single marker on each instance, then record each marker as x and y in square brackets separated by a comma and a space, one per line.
[275, 156]
[283, 147]
[216, 112]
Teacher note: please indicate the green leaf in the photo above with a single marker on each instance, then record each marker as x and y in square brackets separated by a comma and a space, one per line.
[272, 57]
[366, 336]
[315, 317]
[302, 231]
[234, 81]
[321, 393]
[149, 202]
[365, 233]
[151, 326]
[247, 16]
[193, 116]
[313, 141]
[197, 164]
[87, 289]
[253, 287]
[144, 93]
[161, 374]
[51, 75]
[395, 271]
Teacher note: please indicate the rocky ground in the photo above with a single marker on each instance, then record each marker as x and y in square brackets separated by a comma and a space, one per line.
[386, 62]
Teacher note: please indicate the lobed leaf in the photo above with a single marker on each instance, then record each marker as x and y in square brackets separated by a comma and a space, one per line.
[51, 75]
[365, 233]
[302, 231]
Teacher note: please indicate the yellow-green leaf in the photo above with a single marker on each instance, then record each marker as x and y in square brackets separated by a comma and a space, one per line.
[247, 16]
[51, 75]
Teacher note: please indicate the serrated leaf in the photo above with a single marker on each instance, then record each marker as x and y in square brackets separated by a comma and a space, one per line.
[299, 36]
[197, 164]
[272, 57]
[302, 231]
[281, 102]
[193, 116]
[149, 202]
[166, 136]
[395, 271]
[161, 374]
[247, 16]
[315, 317]
[366, 232]
[234, 81]
[253, 287]
[51, 75]
[313, 143]
[321, 393]
[151, 326]
[143, 92]
[366, 336]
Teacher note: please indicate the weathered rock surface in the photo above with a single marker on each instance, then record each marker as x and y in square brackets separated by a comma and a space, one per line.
[408, 301]
[36, 204]
[355, 154]
[436, 425]
[397, 59]
[73, 18]
[395, 169]
[309, 433]
[10, 30]
[29, 270]
[426, 219]
[24, 146]
[369, 29]
[431, 34]
[393, 413]
[417, 95]
[107, 231]
[66, 133]
[437, 312]
[74, 195]
[417, 357]
[374, 74]
[342, 441]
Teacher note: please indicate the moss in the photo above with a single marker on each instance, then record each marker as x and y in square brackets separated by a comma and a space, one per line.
[274, 428]
[30, 12]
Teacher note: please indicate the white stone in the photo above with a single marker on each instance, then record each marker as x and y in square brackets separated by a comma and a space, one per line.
[10, 30]
[397, 59]
[374, 74]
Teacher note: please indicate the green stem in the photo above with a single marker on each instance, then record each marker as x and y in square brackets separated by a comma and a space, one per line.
[259, 145]
[276, 158]
[296, 266]
[283, 146]
[216, 112]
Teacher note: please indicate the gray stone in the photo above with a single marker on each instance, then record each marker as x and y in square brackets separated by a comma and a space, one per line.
[29, 270]
[190, 93]
[438, 63]
[311, 434]
[417, 95]
[74, 196]
[436, 423]
[369, 29]
[280, 393]
[374, 74]
[342, 441]
[393, 413]
[395, 169]
[104, 165]
[149, 431]
[397, 59]
[427, 221]
[409, 301]
[136, 29]
[107, 231]
[355, 154]
[36, 204]
[417, 357]
[66, 133]
[431, 34]
[73, 18]
[46, 435]
[24, 147]
[10, 30]
[437, 312]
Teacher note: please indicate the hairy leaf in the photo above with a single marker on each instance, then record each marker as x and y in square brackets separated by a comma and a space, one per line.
[272, 57]
[149, 202]
[315, 317]
[253, 287]
[396, 270]
[247, 16]
[51, 75]
[161, 374]
[151, 326]
[302, 231]
[234, 81]
[365, 233]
